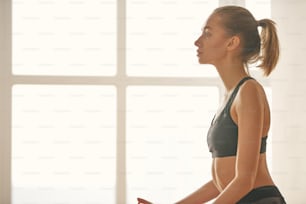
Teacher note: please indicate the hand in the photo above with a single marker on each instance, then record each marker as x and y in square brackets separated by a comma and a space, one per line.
[143, 201]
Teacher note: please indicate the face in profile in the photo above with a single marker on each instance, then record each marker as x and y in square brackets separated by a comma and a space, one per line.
[213, 41]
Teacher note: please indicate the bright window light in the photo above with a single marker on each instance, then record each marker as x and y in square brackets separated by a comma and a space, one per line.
[63, 144]
[64, 37]
[161, 36]
[259, 8]
[167, 153]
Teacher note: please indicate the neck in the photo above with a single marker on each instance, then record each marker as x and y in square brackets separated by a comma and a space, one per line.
[231, 74]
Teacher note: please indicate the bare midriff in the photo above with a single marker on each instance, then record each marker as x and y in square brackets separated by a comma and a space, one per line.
[223, 172]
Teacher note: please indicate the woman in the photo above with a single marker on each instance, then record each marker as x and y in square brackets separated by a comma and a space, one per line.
[237, 136]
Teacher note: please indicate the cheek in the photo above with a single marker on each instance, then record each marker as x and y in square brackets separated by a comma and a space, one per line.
[217, 48]
[213, 51]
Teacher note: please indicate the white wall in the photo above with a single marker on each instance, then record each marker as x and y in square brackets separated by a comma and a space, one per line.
[289, 101]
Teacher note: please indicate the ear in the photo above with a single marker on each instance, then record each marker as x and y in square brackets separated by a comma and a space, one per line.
[233, 43]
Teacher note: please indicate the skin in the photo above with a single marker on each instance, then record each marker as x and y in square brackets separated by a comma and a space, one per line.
[233, 177]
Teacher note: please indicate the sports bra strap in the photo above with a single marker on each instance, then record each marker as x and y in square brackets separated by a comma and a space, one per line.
[233, 95]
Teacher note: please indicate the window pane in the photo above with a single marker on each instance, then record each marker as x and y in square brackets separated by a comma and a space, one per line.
[64, 144]
[259, 8]
[64, 37]
[167, 153]
[161, 36]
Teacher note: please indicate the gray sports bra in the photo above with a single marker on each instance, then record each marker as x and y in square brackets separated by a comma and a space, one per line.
[222, 137]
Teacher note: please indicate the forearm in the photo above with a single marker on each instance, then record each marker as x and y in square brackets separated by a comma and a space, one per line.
[206, 193]
[234, 192]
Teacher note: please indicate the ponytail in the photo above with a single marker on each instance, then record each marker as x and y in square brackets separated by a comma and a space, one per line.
[269, 46]
[263, 48]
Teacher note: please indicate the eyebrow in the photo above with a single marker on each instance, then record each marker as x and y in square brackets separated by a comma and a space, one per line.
[206, 27]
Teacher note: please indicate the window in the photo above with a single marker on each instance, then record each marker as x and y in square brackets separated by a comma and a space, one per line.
[167, 155]
[161, 36]
[103, 97]
[64, 144]
[63, 133]
[64, 37]
[259, 8]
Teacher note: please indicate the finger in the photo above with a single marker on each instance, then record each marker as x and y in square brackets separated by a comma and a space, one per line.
[143, 201]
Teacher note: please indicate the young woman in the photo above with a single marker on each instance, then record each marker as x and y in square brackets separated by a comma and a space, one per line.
[238, 133]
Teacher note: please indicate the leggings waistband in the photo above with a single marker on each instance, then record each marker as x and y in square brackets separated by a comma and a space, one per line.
[261, 193]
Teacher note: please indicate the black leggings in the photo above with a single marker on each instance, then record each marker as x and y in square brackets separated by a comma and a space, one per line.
[263, 195]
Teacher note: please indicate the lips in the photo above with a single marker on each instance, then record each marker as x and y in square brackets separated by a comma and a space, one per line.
[199, 52]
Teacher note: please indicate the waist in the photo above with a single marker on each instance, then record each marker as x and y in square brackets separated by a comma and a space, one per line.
[223, 172]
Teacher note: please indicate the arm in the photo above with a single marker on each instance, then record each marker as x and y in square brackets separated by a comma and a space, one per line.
[206, 193]
[250, 113]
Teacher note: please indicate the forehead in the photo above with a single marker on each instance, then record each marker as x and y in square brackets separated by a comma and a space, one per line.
[213, 22]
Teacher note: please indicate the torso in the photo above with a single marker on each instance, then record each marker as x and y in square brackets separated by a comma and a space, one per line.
[223, 168]
[223, 172]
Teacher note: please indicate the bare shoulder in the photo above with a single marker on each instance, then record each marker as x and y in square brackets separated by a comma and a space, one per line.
[251, 90]
[251, 105]
[250, 102]
[250, 97]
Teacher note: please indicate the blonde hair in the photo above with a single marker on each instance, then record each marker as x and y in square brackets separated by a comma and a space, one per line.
[264, 47]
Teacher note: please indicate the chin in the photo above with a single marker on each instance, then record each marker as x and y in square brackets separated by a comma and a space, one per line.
[201, 61]
[205, 62]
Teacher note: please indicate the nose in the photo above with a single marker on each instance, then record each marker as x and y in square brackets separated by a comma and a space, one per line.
[197, 42]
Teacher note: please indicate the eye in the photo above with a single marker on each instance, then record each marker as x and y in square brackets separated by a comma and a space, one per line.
[206, 33]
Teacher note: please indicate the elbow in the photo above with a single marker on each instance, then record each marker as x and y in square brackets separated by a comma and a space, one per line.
[246, 182]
